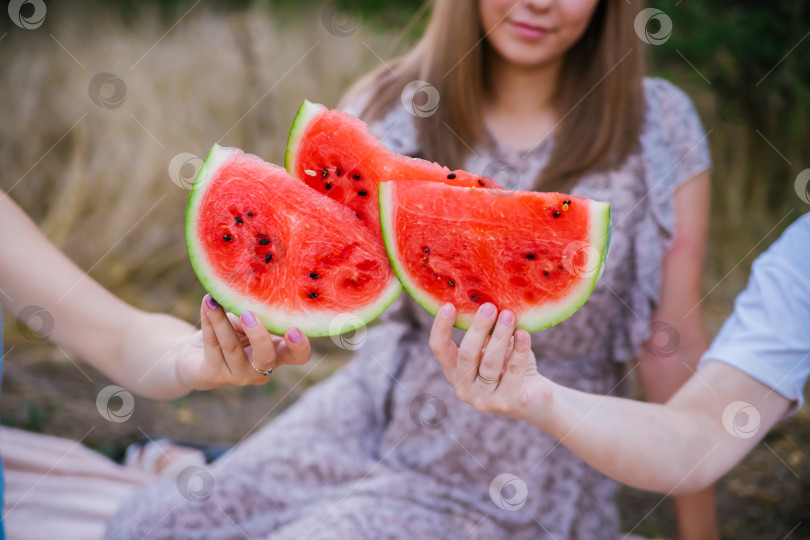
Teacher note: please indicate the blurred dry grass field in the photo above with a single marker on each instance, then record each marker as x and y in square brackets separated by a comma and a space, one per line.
[97, 182]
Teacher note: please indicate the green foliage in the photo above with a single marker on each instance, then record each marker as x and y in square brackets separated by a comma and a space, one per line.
[757, 58]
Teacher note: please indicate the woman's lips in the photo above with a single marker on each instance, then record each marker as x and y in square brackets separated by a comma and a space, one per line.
[529, 31]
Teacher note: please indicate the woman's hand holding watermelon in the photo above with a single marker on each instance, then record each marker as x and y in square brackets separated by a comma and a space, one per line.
[236, 351]
[493, 373]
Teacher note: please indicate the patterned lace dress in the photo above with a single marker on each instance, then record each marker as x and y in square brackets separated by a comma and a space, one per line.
[384, 449]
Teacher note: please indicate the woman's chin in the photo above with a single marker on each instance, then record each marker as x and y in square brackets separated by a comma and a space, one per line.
[530, 59]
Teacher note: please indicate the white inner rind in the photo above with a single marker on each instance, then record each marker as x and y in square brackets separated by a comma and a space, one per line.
[307, 111]
[537, 318]
[276, 319]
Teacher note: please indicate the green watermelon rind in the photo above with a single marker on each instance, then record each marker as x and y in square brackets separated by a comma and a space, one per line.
[546, 317]
[312, 324]
[303, 117]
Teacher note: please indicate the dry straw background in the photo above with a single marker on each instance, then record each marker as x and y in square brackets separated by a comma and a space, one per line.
[97, 182]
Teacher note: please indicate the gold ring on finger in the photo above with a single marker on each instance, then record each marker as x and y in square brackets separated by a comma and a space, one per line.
[264, 372]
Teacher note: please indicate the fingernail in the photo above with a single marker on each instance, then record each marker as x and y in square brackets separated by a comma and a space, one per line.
[294, 335]
[210, 302]
[446, 310]
[488, 309]
[506, 318]
[249, 319]
[521, 336]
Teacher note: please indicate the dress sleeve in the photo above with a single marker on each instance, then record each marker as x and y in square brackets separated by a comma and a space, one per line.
[674, 148]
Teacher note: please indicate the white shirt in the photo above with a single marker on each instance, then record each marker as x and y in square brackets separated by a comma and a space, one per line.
[768, 334]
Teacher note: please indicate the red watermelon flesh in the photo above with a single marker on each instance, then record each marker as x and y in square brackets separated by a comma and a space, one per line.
[537, 254]
[261, 240]
[334, 153]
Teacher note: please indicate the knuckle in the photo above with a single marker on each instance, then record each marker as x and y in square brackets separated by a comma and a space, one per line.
[462, 394]
[481, 404]
[465, 356]
[489, 365]
[514, 367]
[231, 348]
[481, 323]
[500, 336]
[260, 337]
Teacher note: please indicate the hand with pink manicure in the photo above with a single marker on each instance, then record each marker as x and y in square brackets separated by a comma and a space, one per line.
[494, 372]
[236, 351]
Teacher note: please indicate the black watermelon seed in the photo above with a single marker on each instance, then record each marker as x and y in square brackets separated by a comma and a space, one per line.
[481, 182]
[545, 273]
[358, 215]
[424, 266]
[313, 275]
[556, 214]
[313, 295]
[328, 186]
[474, 297]
[362, 193]
[325, 173]
[426, 250]
[451, 176]
[530, 256]
[264, 241]
[356, 176]
[250, 214]
[227, 237]
[567, 201]
[238, 221]
[338, 171]
[268, 257]
[450, 282]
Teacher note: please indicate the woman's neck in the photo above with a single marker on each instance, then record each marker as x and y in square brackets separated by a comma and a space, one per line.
[519, 110]
[522, 90]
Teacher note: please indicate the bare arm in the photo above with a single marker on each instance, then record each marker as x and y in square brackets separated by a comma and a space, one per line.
[154, 355]
[678, 447]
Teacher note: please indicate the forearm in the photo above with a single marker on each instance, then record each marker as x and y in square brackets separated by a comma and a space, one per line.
[75, 312]
[648, 446]
[678, 447]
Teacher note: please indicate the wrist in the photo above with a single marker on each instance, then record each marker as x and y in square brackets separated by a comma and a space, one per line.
[185, 371]
[539, 404]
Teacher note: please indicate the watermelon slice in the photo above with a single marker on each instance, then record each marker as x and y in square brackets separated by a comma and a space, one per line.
[537, 254]
[334, 153]
[261, 240]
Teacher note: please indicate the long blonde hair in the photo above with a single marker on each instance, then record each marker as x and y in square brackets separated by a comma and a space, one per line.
[599, 93]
